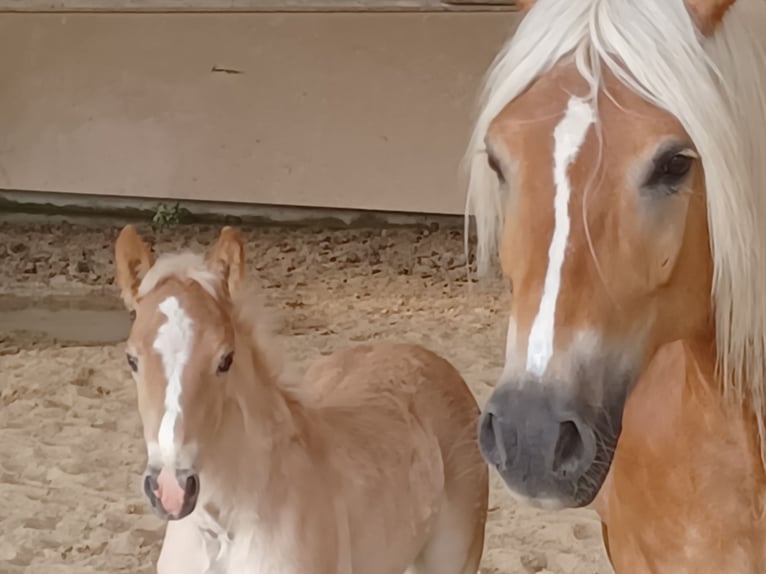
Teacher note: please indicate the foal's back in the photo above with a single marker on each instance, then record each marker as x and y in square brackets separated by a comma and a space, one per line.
[404, 416]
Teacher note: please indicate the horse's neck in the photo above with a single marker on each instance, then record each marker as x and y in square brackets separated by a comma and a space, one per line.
[680, 395]
[679, 403]
[683, 448]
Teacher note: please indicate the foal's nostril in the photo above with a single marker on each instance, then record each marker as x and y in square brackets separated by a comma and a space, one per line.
[192, 486]
[569, 450]
[150, 486]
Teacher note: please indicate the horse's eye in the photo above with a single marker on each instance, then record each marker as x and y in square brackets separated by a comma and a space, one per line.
[678, 166]
[132, 362]
[670, 170]
[225, 363]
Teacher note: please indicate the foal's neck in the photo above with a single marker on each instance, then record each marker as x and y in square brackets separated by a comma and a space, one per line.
[268, 412]
[264, 434]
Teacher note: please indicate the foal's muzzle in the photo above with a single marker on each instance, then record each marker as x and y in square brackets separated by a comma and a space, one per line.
[172, 493]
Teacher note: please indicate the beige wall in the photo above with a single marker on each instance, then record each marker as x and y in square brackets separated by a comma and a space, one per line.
[254, 5]
[360, 111]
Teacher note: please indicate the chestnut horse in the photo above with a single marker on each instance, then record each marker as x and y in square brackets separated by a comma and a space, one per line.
[618, 165]
[369, 467]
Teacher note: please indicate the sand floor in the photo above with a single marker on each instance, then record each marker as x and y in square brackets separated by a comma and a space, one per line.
[71, 451]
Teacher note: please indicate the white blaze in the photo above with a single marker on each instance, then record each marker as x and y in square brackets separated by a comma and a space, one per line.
[569, 136]
[510, 350]
[174, 344]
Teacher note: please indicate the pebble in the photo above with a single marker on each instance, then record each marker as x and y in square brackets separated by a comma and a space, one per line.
[122, 543]
[7, 551]
[535, 562]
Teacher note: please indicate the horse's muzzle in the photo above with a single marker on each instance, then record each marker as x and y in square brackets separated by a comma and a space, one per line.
[172, 493]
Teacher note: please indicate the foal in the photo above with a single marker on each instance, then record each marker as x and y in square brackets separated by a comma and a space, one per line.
[370, 467]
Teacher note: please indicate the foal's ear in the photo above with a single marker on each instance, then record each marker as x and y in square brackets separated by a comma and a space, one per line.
[526, 5]
[132, 260]
[708, 14]
[228, 259]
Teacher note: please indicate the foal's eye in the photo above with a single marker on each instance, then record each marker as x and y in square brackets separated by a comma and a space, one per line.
[670, 170]
[132, 362]
[225, 364]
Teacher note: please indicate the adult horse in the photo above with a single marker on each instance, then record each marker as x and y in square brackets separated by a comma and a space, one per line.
[619, 160]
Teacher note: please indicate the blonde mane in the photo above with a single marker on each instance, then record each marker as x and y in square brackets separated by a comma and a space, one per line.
[715, 87]
[183, 266]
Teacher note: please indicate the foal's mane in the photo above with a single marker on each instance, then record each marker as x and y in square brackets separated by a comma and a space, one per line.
[715, 87]
[247, 309]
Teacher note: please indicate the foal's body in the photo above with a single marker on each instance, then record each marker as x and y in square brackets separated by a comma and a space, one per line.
[688, 468]
[368, 467]
[333, 493]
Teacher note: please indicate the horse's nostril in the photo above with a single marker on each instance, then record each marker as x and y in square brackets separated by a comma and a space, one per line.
[569, 450]
[497, 443]
[487, 441]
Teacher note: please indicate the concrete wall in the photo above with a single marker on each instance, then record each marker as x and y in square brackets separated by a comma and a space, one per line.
[355, 111]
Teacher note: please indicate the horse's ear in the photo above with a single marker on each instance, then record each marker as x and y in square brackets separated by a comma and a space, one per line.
[708, 14]
[132, 260]
[228, 259]
[526, 5]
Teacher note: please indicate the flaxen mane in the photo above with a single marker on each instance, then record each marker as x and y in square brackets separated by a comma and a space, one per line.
[183, 266]
[715, 87]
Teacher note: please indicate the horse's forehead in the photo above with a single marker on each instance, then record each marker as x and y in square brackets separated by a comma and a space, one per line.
[550, 93]
[525, 126]
[173, 305]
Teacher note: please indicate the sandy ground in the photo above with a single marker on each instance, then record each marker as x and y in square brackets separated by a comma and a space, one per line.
[71, 452]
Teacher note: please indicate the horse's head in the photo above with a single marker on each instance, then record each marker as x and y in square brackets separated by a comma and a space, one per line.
[180, 351]
[604, 230]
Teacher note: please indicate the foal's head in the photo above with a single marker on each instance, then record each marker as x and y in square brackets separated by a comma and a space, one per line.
[180, 352]
[598, 118]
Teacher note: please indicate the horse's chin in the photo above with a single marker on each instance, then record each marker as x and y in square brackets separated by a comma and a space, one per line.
[561, 495]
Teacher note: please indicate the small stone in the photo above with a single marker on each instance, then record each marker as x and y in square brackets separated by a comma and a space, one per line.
[122, 544]
[535, 562]
[18, 247]
[29, 268]
[584, 531]
[7, 551]
[83, 267]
